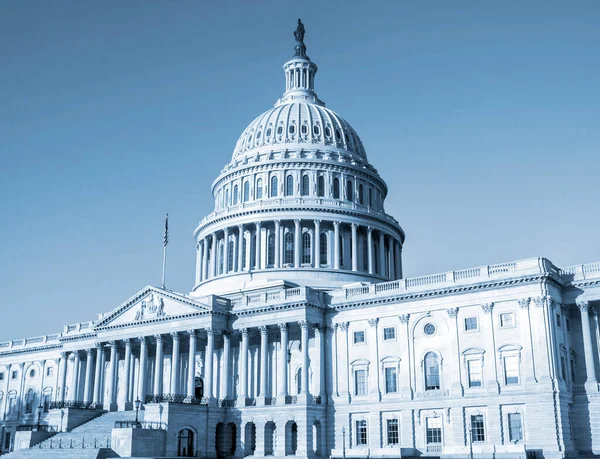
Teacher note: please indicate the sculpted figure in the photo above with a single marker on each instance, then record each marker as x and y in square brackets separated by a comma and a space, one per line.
[299, 33]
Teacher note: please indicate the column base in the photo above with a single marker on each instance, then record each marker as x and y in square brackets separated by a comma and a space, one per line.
[112, 407]
[125, 406]
[591, 387]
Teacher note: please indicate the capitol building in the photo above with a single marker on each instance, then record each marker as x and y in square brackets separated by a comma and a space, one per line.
[301, 336]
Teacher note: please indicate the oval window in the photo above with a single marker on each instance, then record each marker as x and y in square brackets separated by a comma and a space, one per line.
[328, 131]
[316, 130]
[280, 130]
[338, 135]
[32, 374]
[269, 132]
[304, 129]
[258, 134]
[292, 129]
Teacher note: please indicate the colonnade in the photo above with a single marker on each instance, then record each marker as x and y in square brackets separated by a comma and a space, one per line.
[298, 244]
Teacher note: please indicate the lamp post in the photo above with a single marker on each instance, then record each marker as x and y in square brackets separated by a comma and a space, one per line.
[39, 410]
[137, 404]
[343, 442]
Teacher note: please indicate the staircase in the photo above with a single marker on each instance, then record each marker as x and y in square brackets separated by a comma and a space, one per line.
[88, 441]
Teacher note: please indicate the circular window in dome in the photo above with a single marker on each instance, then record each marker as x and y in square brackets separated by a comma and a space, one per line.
[292, 129]
[269, 132]
[429, 329]
[328, 131]
[316, 130]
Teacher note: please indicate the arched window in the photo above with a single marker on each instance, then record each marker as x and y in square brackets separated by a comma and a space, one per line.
[376, 257]
[323, 248]
[432, 371]
[349, 191]
[289, 186]
[289, 248]
[271, 249]
[227, 203]
[306, 248]
[305, 185]
[185, 443]
[259, 189]
[235, 195]
[361, 196]
[253, 252]
[274, 186]
[321, 186]
[231, 254]
[246, 191]
[244, 243]
[221, 256]
[29, 399]
[336, 188]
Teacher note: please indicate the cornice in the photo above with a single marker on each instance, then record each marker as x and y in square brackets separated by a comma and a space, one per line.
[162, 319]
[77, 337]
[279, 307]
[27, 350]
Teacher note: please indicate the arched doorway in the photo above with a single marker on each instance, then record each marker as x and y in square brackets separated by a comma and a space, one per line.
[220, 440]
[291, 438]
[249, 439]
[270, 430]
[185, 443]
[199, 388]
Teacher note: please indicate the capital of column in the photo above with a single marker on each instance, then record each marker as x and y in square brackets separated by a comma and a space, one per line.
[209, 330]
[297, 221]
[142, 339]
[63, 355]
[583, 305]
[343, 325]
[331, 328]
[226, 231]
[373, 322]
[452, 312]
[488, 307]
[354, 225]
[127, 342]
[244, 331]
[550, 301]
[539, 301]
[112, 344]
[283, 327]
[303, 324]
[258, 225]
[317, 221]
[226, 333]
[336, 223]
[524, 302]
[158, 338]
[175, 336]
[263, 329]
[88, 352]
[191, 333]
[404, 318]
[98, 345]
[369, 229]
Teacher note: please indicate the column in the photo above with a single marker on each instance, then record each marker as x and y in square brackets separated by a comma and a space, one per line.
[74, 392]
[264, 342]
[248, 251]
[282, 379]
[88, 376]
[174, 388]
[297, 245]
[213, 255]
[381, 254]
[370, 248]
[354, 248]
[332, 330]
[191, 381]
[243, 388]
[143, 369]
[590, 366]
[372, 339]
[208, 370]
[321, 332]
[257, 257]
[198, 262]
[124, 395]
[112, 399]
[205, 258]
[240, 248]
[226, 363]
[97, 375]
[158, 367]
[226, 251]
[62, 377]
[305, 362]
[391, 259]
[277, 243]
[336, 245]
[318, 244]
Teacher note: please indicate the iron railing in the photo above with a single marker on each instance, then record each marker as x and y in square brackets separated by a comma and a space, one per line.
[227, 403]
[75, 443]
[73, 404]
[36, 428]
[175, 398]
[140, 425]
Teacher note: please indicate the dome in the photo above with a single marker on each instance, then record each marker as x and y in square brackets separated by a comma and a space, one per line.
[300, 123]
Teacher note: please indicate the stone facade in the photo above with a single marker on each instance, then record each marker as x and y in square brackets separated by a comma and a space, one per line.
[301, 336]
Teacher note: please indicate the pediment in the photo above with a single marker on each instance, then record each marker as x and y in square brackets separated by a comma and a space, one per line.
[152, 305]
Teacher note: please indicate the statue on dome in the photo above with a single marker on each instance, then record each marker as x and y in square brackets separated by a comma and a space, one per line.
[300, 48]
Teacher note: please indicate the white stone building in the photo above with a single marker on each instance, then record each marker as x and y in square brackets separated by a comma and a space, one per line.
[301, 336]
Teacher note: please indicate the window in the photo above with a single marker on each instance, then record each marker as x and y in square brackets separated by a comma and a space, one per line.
[288, 256]
[338, 134]
[305, 186]
[2, 376]
[323, 248]
[360, 382]
[336, 188]
[471, 324]
[304, 129]
[328, 131]
[244, 243]
[477, 428]
[349, 191]
[391, 380]
[432, 371]
[361, 432]
[507, 320]
[271, 249]
[299, 381]
[269, 131]
[14, 374]
[573, 370]
[389, 333]
[227, 203]
[292, 129]
[341, 252]
[230, 256]
[361, 196]
[474, 372]
[568, 324]
[259, 189]
[392, 431]
[29, 402]
[359, 337]
[316, 130]
[235, 195]
[321, 186]
[558, 321]
[258, 134]
[563, 367]
[515, 427]
[32, 373]
[47, 401]
[7, 440]
[289, 186]
[279, 130]
[434, 430]
[365, 256]
[306, 249]
[273, 190]
[511, 369]
[429, 329]
[221, 249]
[246, 191]
[370, 197]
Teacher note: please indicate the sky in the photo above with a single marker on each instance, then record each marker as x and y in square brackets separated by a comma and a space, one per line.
[483, 118]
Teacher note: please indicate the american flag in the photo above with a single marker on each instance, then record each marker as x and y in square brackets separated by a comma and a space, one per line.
[166, 232]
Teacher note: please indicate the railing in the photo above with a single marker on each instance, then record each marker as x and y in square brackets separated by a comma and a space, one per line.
[273, 296]
[227, 403]
[175, 398]
[94, 442]
[270, 401]
[73, 404]
[36, 428]
[291, 399]
[434, 448]
[317, 399]
[579, 389]
[250, 401]
[581, 271]
[140, 425]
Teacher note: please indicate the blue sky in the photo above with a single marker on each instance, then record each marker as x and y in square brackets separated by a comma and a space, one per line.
[483, 118]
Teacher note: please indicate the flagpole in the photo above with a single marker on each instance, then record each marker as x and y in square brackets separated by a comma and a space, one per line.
[165, 243]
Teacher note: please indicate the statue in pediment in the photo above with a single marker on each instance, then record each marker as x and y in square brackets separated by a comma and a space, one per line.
[153, 308]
